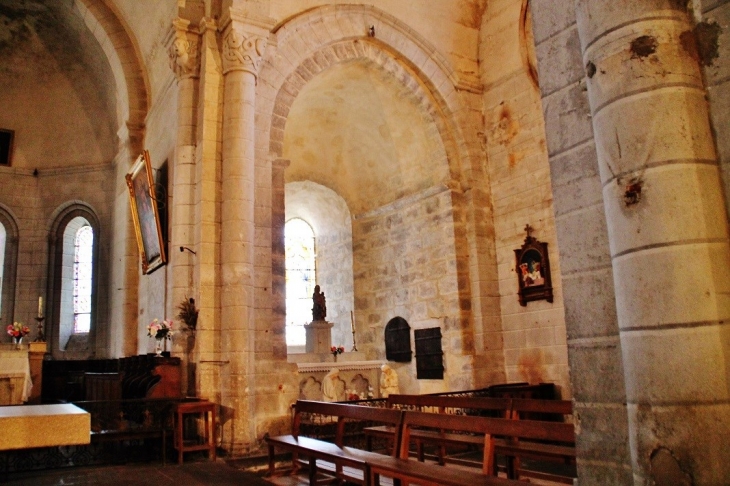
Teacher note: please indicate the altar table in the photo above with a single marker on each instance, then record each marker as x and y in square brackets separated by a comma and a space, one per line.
[28, 426]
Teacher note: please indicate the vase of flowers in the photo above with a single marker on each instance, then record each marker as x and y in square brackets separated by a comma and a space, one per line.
[162, 331]
[335, 350]
[17, 330]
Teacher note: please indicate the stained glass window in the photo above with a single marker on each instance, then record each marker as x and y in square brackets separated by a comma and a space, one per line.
[300, 279]
[83, 256]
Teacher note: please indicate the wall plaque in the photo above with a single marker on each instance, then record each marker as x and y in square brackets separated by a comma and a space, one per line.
[398, 340]
[429, 355]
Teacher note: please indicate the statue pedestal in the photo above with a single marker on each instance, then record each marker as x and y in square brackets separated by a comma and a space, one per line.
[319, 337]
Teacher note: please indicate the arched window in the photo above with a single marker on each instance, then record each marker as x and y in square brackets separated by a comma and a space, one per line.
[73, 315]
[8, 265]
[83, 263]
[300, 279]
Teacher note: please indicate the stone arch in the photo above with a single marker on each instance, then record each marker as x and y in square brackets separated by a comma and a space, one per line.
[322, 37]
[114, 36]
[9, 222]
[60, 220]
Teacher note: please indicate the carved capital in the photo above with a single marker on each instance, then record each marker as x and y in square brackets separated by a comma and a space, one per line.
[184, 52]
[242, 53]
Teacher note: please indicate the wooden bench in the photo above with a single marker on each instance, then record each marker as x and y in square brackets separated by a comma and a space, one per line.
[339, 455]
[497, 407]
[446, 428]
[504, 407]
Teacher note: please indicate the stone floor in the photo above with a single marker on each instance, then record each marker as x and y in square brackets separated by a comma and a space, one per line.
[196, 473]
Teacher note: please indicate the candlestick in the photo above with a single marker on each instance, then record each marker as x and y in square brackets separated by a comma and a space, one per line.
[41, 336]
[352, 320]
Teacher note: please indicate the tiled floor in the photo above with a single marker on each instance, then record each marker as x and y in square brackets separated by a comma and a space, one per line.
[217, 473]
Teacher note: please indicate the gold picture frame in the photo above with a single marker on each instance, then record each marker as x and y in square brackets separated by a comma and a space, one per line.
[143, 201]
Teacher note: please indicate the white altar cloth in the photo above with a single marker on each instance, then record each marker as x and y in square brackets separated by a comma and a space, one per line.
[14, 365]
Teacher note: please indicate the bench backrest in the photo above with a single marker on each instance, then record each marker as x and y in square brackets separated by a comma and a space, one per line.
[345, 412]
[490, 427]
[443, 403]
[521, 406]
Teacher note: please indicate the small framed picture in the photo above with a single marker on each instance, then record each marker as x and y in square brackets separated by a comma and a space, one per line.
[143, 201]
[533, 270]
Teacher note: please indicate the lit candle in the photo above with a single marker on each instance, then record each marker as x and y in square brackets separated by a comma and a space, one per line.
[40, 306]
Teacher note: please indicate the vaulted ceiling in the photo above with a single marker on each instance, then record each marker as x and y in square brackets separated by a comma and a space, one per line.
[356, 130]
[58, 91]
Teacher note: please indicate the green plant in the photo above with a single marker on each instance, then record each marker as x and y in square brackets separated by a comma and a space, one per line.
[188, 313]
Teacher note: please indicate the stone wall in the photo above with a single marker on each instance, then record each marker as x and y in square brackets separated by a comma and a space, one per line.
[534, 336]
[405, 265]
[35, 201]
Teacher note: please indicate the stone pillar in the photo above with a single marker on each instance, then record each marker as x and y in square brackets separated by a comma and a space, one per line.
[668, 235]
[185, 63]
[278, 256]
[243, 48]
[207, 351]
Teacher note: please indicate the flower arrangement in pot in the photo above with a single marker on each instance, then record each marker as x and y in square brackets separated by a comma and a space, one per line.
[161, 331]
[17, 330]
[335, 350]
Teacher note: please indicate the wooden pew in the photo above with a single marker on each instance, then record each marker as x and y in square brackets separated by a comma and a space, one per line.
[336, 453]
[497, 407]
[446, 428]
[507, 408]
[535, 409]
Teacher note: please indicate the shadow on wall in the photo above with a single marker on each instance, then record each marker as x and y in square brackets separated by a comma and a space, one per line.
[531, 366]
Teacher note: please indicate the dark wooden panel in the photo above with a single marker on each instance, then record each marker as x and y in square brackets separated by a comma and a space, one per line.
[398, 340]
[429, 354]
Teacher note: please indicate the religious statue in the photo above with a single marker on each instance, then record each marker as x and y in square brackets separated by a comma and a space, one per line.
[388, 381]
[319, 311]
[331, 384]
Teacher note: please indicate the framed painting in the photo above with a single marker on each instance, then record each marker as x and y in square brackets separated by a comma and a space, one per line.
[533, 270]
[143, 201]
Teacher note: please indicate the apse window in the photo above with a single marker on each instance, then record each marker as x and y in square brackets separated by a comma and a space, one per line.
[83, 262]
[300, 279]
[6, 146]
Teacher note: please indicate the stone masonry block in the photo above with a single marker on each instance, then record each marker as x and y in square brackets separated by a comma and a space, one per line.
[590, 305]
[567, 118]
[601, 378]
[564, 52]
[550, 18]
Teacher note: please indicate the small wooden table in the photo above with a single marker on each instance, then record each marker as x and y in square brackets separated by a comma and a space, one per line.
[208, 410]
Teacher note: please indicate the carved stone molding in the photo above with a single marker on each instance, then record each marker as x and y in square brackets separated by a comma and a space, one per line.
[184, 51]
[242, 53]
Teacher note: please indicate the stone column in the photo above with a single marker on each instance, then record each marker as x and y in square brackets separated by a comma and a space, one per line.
[668, 235]
[207, 350]
[278, 256]
[185, 63]
[243, 48]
